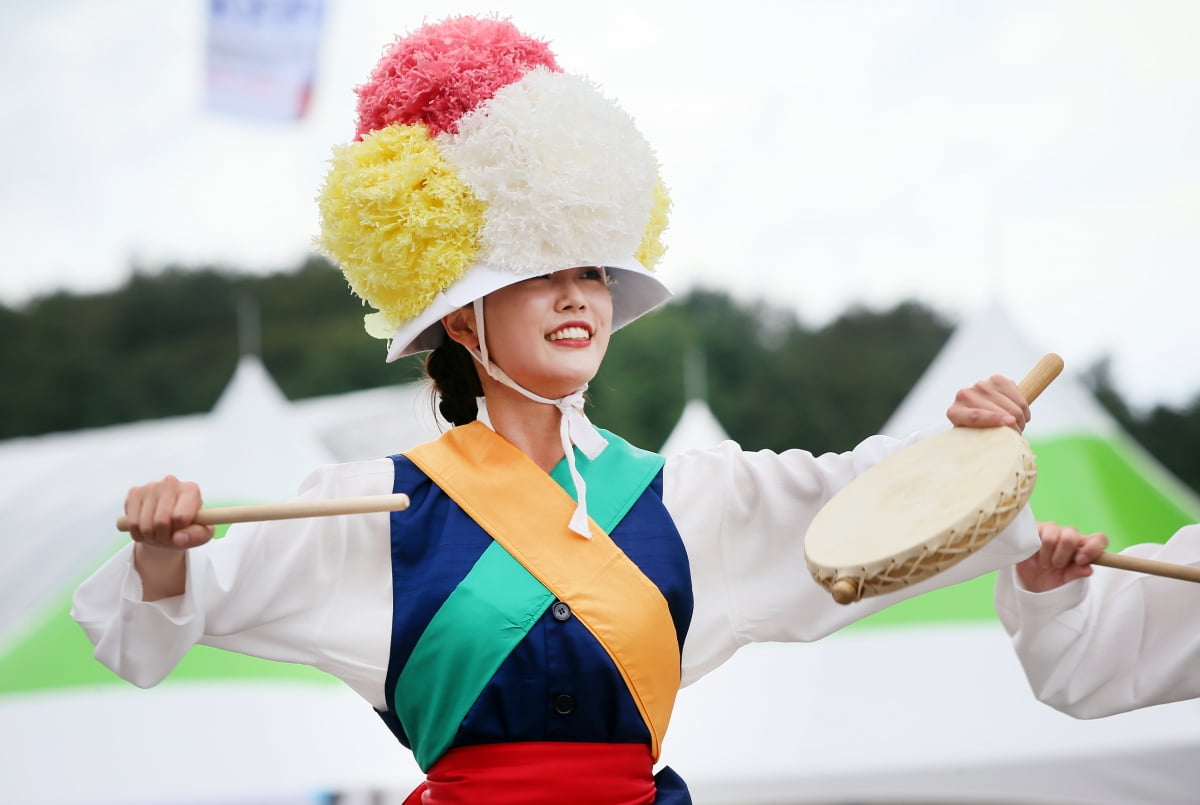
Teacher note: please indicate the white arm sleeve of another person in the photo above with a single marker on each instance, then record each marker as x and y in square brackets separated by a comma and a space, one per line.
[743, 517]
[1113, 642]
[265, 589]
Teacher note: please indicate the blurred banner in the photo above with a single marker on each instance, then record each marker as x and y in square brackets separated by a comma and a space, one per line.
[262, 57]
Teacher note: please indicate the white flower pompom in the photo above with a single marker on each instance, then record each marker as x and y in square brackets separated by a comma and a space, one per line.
[567, 178]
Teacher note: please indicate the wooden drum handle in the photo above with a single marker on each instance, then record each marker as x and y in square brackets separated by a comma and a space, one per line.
[294, 509]
[1043, 372]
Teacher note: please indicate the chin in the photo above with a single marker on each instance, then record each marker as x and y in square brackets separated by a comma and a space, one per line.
[564, 385]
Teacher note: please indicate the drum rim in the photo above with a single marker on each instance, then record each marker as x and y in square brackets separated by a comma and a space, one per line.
[964, 535]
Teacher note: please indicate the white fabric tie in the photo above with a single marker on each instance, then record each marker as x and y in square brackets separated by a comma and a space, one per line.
[575, 429]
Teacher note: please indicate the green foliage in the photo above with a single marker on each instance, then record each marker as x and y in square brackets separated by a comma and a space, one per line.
[167, 343]
[773, 384]
[1172, 436]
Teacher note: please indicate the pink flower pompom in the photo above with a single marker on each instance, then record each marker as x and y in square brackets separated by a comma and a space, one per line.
[443, 70]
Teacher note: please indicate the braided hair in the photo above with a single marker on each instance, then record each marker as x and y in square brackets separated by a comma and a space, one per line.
[451, 369]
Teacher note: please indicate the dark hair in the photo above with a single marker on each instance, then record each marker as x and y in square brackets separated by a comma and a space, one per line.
[452, 370]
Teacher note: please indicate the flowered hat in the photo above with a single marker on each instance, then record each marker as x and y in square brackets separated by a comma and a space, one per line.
[477, 162]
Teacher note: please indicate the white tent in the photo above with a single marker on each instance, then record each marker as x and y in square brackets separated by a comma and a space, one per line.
[254, 446]
[917, 713]
[229, 730]
[697, 427]
[987, 344]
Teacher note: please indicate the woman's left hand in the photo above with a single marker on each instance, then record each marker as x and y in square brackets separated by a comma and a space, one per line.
[990, 403]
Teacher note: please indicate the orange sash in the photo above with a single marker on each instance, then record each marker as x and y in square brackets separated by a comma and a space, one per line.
[526, 512]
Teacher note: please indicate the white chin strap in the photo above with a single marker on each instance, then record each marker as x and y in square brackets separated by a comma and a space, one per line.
[574, 428]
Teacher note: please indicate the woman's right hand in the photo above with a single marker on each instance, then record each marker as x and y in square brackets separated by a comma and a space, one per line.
[162, 515]
[1065, 555]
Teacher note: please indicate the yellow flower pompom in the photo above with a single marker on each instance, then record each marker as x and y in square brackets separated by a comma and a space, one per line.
[398, 221]
[652, 248]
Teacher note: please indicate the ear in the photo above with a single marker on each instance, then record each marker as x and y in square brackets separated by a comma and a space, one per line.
[460, 326]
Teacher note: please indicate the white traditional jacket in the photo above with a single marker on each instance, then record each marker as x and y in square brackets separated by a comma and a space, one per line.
[319, 591]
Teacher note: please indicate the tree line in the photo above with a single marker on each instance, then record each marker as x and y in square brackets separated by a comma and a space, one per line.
[166, 343]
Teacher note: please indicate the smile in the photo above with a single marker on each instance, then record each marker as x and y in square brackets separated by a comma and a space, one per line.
[570, 334]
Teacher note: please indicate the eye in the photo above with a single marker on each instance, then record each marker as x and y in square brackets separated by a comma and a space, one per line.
[594, 274]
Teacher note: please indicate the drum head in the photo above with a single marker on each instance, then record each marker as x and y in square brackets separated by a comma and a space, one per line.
[925, 500]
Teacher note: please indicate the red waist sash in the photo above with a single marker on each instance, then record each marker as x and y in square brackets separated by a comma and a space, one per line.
[540, 773]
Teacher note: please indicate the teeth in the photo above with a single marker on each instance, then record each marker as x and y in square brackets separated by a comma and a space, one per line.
[571, 333]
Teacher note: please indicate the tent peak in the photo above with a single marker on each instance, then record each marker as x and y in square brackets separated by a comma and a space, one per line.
[990, 343]
[697, 428]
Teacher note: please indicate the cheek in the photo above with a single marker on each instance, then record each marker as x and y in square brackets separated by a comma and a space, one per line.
[603, 336]
[503, 346]
[603, 305]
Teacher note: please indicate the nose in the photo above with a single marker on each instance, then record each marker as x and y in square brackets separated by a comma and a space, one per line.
[570, 294]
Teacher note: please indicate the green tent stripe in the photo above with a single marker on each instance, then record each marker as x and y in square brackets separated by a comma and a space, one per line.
[1094, 483]
[1107, 485]
[55, 653]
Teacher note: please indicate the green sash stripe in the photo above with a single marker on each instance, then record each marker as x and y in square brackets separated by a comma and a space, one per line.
[496, 604]
[485, 617]
[615, 479]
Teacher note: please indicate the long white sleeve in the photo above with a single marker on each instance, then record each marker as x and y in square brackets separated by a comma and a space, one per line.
[743, 517]
[1112, 642]
[309, 591]
[319, 591]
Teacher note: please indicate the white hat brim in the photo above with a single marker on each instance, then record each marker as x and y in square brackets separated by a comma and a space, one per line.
[635, 292]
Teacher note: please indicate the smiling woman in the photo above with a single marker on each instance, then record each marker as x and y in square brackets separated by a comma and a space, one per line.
[550, 333]
[525, 624]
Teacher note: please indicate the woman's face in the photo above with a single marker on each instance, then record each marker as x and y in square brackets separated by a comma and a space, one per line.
[550, 333]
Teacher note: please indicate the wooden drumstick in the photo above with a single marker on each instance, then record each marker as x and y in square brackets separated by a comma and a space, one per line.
[1154, 567]
[294, 509]
[846, 589]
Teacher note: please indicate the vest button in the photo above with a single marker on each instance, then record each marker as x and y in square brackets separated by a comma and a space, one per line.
[560, 611]
[564, 704]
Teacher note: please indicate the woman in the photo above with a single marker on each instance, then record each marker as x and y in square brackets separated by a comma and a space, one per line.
[1095, 641]
[525, 624]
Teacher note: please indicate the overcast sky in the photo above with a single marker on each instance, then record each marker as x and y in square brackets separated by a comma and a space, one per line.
[819, 154]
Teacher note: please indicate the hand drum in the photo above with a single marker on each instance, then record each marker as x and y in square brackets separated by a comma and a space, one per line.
[926, 507]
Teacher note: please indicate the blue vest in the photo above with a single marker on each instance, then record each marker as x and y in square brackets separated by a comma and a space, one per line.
[558, 684]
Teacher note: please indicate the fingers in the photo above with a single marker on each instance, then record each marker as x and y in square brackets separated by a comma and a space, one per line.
[1090, 549]
[963, 415]
[1073, 572]
[192, 536]
[1064, 556]
[1065, 546]
[163, 513]
[990, 403]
